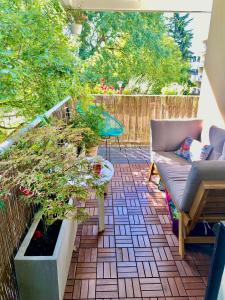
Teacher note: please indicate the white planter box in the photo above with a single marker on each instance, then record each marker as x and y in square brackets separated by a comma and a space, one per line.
[44, 277]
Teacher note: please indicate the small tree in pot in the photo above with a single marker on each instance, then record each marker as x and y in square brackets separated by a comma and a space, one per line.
[44, 170]
[91, 121]
[42, 164]
[91, 141]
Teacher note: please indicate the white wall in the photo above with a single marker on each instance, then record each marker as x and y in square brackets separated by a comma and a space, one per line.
[212, 98]
[142, 5]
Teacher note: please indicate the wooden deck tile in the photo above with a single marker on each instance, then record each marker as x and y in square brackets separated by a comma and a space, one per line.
[137, 255]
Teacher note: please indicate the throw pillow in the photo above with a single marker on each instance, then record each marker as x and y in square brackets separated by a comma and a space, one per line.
[193, 150]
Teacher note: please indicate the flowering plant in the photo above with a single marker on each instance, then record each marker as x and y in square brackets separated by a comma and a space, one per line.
[103, 88]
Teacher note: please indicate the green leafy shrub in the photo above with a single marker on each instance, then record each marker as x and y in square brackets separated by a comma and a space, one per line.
[174, 89]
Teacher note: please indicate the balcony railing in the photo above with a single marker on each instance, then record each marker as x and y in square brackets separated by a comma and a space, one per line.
[135, 112]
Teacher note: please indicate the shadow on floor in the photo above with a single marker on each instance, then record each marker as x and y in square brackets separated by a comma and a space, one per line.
[126, 154]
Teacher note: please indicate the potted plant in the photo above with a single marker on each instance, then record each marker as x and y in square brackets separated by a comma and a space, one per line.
[77, 17]
[91, 120]
[43, 164]
[91, 141]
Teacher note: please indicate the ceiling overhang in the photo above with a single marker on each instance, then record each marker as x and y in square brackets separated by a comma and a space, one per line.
[142, 5]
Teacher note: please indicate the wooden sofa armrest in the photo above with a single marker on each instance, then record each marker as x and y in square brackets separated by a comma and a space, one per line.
[209, 206]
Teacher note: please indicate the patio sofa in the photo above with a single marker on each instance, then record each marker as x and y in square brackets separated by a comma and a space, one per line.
[198, 188]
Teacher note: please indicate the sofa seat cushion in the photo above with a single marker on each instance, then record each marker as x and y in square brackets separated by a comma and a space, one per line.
[176, 190]
[174, 174]
[169, 158]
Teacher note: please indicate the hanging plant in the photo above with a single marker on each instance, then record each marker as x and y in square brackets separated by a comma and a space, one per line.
[79, 16]
[76, 17]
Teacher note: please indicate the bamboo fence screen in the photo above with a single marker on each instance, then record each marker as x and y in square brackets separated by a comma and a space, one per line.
[135, 112]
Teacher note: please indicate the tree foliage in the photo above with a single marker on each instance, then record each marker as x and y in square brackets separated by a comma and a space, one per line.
[178, 29]
[37, 59]
[120, 46]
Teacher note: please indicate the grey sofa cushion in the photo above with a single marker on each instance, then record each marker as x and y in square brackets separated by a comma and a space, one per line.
[169, 158]
[176, 189]
[168, 135]
[200, 170]
[217, 140]
[174, 172]
[182, 179]
[222, 156]
[175, 178]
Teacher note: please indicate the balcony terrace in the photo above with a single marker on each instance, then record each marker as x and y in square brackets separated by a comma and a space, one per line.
[137, 256]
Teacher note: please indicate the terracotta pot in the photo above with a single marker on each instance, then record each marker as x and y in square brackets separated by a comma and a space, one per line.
[97, 167]
[93, 151]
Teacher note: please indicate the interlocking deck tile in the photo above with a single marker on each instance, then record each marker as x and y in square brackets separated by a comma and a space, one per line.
[86, 270]
[127, 269]
[106, 255]
[107, 288]
[125, 254]
[137, 255]
[143, 254]
[87, 255]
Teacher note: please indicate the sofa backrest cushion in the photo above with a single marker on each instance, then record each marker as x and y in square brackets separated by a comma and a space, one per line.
[200, 171]
[217, 140]
[222, 156]
[168, 135]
